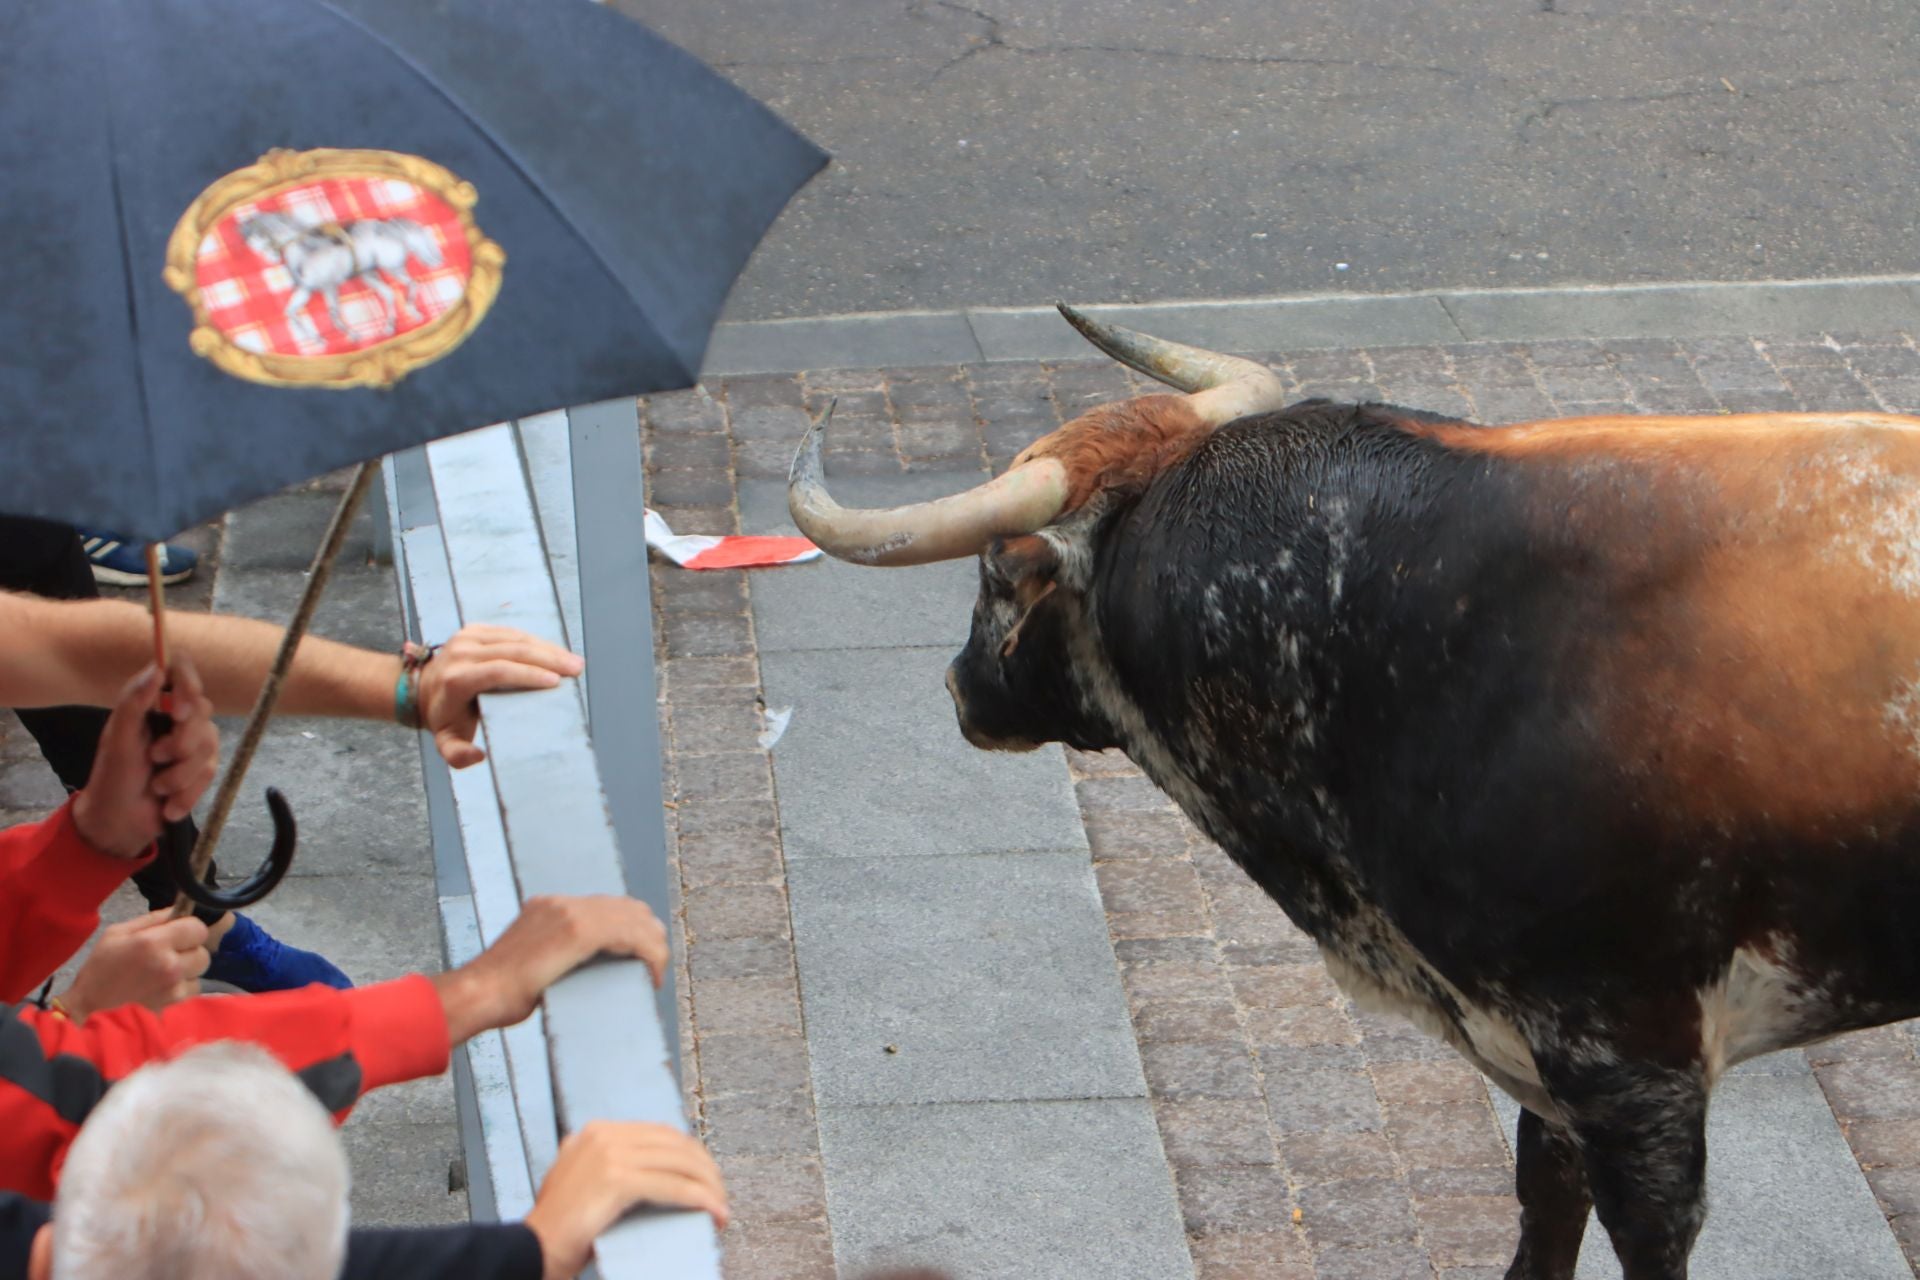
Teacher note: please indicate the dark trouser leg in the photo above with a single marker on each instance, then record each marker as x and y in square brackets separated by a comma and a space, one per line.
[46, 559]
[1552, 1187]
[1642, 1131]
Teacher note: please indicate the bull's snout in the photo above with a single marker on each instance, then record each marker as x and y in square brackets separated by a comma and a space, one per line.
[960, 708]
[973, 735]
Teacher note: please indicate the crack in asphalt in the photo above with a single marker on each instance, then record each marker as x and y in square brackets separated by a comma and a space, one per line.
[1545, 109]
[995, 37]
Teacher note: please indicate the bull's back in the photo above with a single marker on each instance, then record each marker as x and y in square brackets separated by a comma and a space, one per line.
[1754, 659]
[1712, 670]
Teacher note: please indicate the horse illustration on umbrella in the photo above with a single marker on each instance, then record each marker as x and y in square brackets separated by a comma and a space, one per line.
[321, 258]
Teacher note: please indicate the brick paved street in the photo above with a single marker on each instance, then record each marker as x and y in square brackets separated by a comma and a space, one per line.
[1305, 1139]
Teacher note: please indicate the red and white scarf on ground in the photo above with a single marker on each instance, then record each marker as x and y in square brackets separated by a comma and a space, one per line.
[733, 551]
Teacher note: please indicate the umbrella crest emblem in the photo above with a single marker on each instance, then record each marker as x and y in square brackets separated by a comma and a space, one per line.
[333, 268]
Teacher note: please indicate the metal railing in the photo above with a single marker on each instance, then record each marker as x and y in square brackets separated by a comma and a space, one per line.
[538, 525]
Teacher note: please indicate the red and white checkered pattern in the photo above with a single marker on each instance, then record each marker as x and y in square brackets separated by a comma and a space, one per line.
[246, 296]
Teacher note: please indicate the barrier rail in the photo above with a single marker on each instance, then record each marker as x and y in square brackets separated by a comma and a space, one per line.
[537, 525]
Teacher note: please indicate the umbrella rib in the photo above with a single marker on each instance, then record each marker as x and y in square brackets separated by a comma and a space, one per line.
[127, 273]
[520, 167]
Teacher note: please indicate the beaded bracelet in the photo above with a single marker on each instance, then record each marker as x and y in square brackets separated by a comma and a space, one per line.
[406, 689]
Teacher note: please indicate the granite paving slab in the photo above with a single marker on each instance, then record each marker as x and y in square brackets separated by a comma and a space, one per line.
[830, 604]
[872, 764]
[328, 769]
[358, 607]
[1003, 1191]
[959, 979]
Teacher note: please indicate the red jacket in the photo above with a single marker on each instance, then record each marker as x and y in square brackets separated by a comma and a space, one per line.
[51, 886]
[53, 1071]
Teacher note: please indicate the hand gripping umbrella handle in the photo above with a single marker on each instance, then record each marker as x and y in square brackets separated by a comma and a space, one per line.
[176, 849]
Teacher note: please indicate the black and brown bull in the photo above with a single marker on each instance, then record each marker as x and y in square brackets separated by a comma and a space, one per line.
[1592, 745]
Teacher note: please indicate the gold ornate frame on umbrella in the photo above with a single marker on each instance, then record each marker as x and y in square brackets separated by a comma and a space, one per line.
[379, 363]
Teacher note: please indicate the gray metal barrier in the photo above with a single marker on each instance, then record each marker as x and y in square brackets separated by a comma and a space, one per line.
[538, 525]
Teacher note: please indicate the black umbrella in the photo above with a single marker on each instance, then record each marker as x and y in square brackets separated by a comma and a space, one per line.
[245, 242]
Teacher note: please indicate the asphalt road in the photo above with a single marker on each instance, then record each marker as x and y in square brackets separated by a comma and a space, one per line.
[1134, 150]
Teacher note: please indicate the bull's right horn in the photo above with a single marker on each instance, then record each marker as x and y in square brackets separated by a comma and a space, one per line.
[1023, 500]
[1221, 387]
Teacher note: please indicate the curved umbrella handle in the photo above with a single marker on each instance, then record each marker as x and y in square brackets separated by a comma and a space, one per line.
[176, 854]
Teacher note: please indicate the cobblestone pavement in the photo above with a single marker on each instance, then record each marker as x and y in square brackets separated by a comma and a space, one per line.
[1306, 1139]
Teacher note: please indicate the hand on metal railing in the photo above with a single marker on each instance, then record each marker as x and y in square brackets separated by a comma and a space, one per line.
[608, 1168]
[551, 937]
[483, 659]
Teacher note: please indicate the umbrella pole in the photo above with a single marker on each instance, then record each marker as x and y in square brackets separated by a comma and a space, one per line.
[157, 605]
[317, 575]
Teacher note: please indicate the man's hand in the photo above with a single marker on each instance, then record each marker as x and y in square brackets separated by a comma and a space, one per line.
[550, 939]
[608, 1168]
[152, 960]
[137, 784]
[483, 659]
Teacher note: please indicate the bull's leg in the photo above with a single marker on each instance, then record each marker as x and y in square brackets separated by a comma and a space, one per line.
[1552, 1186]
[1642, 1133]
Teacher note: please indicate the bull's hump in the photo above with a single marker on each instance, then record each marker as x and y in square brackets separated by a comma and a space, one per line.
[1756, 653]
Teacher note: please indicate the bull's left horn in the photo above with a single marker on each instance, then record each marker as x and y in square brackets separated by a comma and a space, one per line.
[1222, 387]
[1023, 500]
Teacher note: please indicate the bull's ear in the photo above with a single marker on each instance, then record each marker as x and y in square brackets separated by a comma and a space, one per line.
[1030, 565]
[1027, 563]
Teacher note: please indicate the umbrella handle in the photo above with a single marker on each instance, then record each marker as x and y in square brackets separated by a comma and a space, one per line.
[177, 840]
[176, 854]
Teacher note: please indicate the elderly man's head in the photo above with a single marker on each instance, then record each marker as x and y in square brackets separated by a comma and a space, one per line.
[219, 1165]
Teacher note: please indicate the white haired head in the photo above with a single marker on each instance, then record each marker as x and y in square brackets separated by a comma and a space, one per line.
[219, 1165]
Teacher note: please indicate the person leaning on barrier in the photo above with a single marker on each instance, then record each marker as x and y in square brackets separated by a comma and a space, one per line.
[80, 652]
[220, 1165]
[64, 654]
[55, 1067]
[341, 1043]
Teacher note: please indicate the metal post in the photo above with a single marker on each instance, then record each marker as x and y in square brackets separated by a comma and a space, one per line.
[617, 623]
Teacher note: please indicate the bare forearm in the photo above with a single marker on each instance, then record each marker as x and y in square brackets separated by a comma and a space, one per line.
[326, 679]
[85, 651]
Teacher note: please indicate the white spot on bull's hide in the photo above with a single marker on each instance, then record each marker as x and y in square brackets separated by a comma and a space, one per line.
[1875, 510]
[1755, 1007]
[1100, 686]
[1380, 970]
[1071, 543]
[1339, 548]
[1902, 715]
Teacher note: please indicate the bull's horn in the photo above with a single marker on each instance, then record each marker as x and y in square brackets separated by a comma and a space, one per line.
[1222, 387]
[1023, 500]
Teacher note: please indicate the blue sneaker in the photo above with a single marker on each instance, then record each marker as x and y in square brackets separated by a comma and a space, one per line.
[254, 960]
[119, 563]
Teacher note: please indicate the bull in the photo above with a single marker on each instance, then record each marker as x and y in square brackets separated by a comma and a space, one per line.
[1590, 745]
